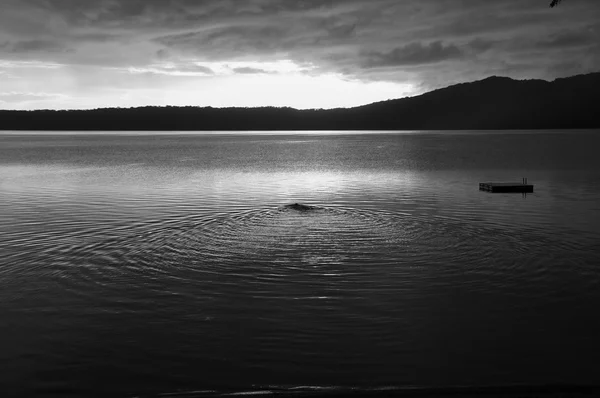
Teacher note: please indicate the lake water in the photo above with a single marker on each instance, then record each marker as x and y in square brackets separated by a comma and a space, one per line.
[136, 264]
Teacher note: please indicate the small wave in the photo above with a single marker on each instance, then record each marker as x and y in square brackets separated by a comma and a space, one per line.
[509, 390]
[329, 245]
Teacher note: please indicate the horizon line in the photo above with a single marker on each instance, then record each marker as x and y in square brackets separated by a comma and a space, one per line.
[290, 107]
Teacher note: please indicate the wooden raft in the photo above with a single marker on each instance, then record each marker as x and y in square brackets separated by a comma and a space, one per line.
[505, 187]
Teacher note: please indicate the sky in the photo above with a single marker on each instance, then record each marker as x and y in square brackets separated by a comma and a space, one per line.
[82, 54]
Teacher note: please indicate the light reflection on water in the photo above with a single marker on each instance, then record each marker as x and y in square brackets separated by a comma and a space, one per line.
[170, 262]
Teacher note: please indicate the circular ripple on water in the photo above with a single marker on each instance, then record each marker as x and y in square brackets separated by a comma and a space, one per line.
[316, 236]
[269, 244]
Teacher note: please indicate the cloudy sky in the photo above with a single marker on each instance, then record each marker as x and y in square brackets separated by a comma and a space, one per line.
[302, 53]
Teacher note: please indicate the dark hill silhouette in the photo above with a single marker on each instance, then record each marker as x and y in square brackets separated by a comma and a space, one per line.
[492, 103]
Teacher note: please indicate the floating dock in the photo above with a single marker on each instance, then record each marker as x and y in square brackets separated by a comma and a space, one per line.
[505, 187]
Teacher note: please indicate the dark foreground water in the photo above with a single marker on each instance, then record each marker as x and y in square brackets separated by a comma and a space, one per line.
[135, 264]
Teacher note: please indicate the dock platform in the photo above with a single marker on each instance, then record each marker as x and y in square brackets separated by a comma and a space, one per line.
[505, 187]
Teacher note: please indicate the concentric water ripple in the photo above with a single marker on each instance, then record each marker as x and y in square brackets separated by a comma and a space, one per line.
[276, 243]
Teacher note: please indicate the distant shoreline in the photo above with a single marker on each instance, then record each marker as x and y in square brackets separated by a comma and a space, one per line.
[495, 103]
[508, 391]
[286, 132]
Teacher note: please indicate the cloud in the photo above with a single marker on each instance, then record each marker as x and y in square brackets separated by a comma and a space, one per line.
[333, 35]
[249, 71]
[29, 65]
[172, 70]
[38, 45]
[571, 38]
[229, 42]
[480, 45]
[427, 43]
[29, 96]
[101, 37]
[414, 54]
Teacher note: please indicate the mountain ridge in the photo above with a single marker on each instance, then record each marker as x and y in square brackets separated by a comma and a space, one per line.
[495, 102]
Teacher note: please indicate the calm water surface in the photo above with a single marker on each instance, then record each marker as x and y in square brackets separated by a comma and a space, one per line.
[144, 263]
